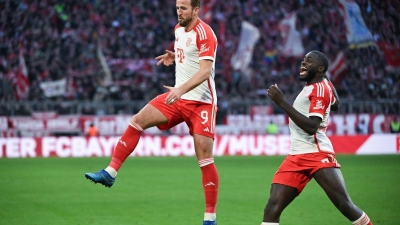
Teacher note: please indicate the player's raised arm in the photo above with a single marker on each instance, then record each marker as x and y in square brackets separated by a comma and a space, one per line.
[309, 125]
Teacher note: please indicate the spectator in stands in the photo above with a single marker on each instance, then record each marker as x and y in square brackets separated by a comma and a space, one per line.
[60, 40]
[272, 128]
[92, 131]
[395, 125]
[362, 127]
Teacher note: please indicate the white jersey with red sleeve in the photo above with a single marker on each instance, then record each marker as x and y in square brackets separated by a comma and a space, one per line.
[200, 43]
[314, 100]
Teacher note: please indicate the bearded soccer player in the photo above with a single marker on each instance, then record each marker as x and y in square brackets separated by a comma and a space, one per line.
[192, 100]
[311, 154]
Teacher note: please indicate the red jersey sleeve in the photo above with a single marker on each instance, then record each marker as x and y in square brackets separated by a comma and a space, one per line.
[206, 41]
[333, 96]
[320, 99]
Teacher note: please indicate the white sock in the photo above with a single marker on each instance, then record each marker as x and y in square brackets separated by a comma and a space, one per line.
[363, 220]
[111, 171]
[268, 223]
[210, 216]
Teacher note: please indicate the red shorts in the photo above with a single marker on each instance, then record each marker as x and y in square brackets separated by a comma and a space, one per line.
[199, 116]
[297, 170]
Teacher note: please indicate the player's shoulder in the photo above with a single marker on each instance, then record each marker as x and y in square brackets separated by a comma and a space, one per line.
[203, 29]
[177, 26]
[321, 88]
[201, 23]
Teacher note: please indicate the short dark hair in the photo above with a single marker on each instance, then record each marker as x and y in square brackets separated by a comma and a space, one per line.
[322, 59]
[195, 3]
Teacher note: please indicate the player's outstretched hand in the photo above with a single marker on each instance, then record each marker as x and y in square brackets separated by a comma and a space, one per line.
[167, 59]
[275, 94]
[173, 96]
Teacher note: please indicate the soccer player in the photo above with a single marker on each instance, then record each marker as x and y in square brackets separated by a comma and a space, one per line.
[311, 154]
[192, 100]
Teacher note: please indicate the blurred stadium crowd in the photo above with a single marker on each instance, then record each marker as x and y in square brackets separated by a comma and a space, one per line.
[63, 39]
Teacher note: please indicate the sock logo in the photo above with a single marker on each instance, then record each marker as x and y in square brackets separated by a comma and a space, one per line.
[122, 142]
[210, 184]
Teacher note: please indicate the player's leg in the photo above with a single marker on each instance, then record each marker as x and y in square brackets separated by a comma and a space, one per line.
[280, 197]
[153, 114]
[147, 117]
[201, 121]
[204, 151]
[332, 182]
[288, 182]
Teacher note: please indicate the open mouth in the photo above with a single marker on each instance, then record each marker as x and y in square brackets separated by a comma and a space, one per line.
[303, 71]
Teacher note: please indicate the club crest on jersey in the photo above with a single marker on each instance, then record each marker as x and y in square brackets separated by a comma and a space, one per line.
[189, 40]
[203, 48]
[318, 105]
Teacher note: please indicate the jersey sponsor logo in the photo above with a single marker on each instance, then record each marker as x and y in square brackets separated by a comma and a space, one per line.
[318, 105]
[189, 40]
[206, 129]
[180, 54]
[204, 48]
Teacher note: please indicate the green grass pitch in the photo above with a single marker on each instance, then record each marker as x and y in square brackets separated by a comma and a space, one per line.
[167, 190]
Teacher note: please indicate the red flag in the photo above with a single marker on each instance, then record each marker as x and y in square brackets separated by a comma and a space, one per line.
[22, 84]
[206, 11]
[338, 68]
[392, 55]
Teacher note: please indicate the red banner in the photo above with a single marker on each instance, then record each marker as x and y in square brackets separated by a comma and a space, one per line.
[174, 145]
[339, 124]
[115, 125]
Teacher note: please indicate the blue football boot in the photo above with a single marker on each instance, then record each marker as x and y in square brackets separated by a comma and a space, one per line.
[101, 177]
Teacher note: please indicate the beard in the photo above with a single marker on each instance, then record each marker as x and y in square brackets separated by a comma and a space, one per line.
[310, 75]
[185, 22]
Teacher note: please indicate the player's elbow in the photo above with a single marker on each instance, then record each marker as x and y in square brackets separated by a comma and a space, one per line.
[311, 131]
[312, 127]
[206, 74]
[335, 107]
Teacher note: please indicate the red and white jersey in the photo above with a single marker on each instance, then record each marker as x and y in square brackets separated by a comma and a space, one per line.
[190, 47]
[314, 100]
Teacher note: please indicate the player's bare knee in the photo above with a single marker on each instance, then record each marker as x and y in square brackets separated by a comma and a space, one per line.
[203, 146]
[203, 153]
[273, 207]
[135, 118]
[273, 202]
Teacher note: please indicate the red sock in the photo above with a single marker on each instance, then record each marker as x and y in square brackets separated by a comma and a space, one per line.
[210, 183]
[126, 145]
